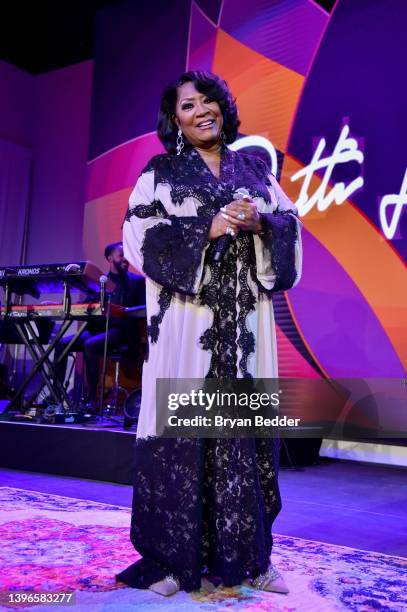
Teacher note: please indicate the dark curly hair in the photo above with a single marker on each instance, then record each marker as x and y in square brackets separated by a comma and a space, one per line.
[206, 83]
[112, 247]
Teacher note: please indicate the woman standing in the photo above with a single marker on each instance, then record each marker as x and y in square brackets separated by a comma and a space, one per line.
[205, 507]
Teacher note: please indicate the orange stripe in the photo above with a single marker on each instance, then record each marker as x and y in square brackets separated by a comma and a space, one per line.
[363, 252]
[102, 224]
[267, 92]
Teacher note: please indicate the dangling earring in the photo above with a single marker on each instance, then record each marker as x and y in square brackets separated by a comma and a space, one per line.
[180, 142]
[223, 137]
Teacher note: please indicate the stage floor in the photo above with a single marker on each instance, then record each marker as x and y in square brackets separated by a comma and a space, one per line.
[80, 450]
[349, 504]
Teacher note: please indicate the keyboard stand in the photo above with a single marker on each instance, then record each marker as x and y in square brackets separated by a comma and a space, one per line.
[40, 356]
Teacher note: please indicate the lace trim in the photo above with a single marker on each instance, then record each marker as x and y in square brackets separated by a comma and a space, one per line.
[246, 301]
[143, 211]
[173, 253]
[164, 301]
[220, 295]
[280, 235]
[220, 291]
[236, 170]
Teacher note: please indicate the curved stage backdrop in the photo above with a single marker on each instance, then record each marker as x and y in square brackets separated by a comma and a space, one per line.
[322, 99]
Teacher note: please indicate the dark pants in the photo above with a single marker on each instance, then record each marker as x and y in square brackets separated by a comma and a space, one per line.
[92, 346]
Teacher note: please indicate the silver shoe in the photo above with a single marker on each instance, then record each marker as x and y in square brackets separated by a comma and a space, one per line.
[167, 586]
[271, 580]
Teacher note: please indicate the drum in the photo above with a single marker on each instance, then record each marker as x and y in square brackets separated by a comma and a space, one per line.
[131, 408]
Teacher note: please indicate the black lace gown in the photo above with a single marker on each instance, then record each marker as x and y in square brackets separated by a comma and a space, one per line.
[206, 506]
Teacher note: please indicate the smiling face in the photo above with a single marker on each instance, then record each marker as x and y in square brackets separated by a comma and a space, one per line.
[199, 117]
[118, 262]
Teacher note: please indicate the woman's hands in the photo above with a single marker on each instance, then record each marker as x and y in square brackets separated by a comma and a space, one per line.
[218, 227]
[237, 215]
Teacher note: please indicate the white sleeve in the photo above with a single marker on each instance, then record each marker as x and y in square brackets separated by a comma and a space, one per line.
[143, 212]
[168, 249]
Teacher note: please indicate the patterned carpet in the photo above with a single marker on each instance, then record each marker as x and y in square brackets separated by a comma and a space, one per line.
[53, 543]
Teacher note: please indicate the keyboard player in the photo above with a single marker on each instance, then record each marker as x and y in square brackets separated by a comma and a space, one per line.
[129, 291]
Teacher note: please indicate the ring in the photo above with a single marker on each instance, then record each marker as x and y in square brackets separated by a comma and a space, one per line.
[230, 231]
[241, 216]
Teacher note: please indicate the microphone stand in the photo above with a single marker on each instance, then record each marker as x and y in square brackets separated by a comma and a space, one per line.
[105, 303]
[105, 306]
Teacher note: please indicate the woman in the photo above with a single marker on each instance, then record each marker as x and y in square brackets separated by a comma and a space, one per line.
[205, 507]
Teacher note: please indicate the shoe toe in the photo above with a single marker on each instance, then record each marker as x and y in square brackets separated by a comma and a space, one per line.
[277, 585]
[165, 587]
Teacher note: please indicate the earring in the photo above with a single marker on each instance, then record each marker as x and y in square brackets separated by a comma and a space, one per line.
[180, 142]
[223, 137]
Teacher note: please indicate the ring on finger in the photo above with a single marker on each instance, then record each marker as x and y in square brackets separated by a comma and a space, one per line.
[230, 231]
[241, 216]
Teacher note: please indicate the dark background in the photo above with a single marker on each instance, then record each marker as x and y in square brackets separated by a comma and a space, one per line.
[44, 35]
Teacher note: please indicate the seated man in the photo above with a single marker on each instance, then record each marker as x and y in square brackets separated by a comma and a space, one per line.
[129, 291]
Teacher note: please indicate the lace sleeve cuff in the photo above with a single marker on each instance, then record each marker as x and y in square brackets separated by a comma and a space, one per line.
[278, 251]
[173, 253]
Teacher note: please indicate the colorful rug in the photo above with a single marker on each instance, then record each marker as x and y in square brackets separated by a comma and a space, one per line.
[51, 543]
